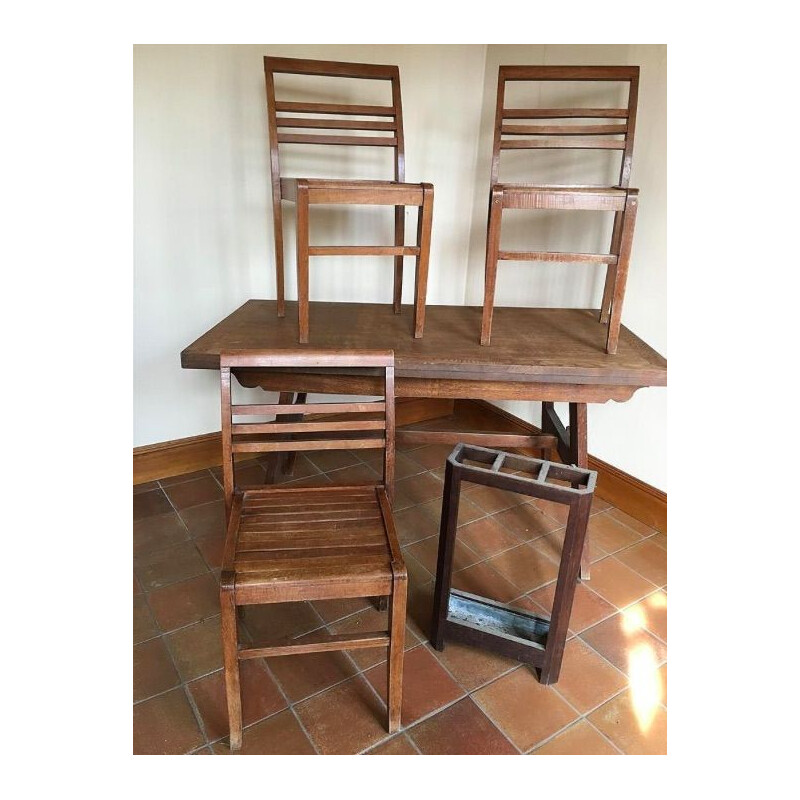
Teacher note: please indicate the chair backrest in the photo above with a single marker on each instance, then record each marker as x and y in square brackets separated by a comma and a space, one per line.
[615, 133]
[355, 425]
[301, 115]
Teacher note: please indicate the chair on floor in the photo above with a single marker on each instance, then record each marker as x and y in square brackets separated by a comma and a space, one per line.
[286, 544]
[616, 132]
[352, 125]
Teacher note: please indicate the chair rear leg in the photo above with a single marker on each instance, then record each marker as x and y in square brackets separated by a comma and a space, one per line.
[397, 634]
[492, 252]
[399, 241]
[302, 262]
[230, 651]
[277, 220]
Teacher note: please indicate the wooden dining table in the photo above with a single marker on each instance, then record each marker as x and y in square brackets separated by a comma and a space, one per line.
[538, 354]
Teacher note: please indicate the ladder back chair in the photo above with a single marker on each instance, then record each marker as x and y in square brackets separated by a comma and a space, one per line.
[287, 544]
[353, 125]
[534, 129]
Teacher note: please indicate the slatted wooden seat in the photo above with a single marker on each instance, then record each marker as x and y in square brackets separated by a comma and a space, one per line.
[522, 128]
[287, 544]
[358, 126]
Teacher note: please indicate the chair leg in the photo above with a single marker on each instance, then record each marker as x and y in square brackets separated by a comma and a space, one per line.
[424, 223]
[621, 272]
[302, 261]
[399, 241]
[397, 633]
[230, 650]
[277, 220]
[492, 251]
[611, 271]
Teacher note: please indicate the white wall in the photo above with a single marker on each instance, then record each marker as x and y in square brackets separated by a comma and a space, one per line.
[203, 240]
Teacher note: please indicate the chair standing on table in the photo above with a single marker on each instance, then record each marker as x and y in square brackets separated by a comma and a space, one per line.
[287, 544]
[513, 131]
[383, 128]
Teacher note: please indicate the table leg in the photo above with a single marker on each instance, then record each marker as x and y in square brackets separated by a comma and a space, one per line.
[572, 449]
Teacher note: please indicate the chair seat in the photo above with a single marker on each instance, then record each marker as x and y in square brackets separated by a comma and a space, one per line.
[363, 192]
[311, 544]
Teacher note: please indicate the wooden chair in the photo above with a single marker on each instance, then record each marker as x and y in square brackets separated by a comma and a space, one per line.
[617, 134]
[312, 543]
[353, 130]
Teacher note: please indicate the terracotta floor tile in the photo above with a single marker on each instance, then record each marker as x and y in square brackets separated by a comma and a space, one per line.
[586, 679]
[404, 467]
[492, 500]
[183, 478]
[272, 621]
[417, 574]
[212, 549]
[260, 697]
[631, 522]
[149, 504]
[623, 641]
[172, 564]
[355, 474]
[153, 671]
[365, 621]
[461, 729]
[486, 537]
[523, 709]
[165, 725]
[660, 539]
[157, 532]
[137, 587]
[609, 534]
[207, 519]
[419, 609]
[415, 523]
[426, 685]
[525, 567]
[320, 479]
[648, 559]
[399, 745]
[333, 610]
[484, 581]
[194, 493]
[431, 456]
[636, 728]
[303, 468]
[346, 719]
[247, 473]
[580, 739]
[279, 735]
[652, 612]
[527, 521]
[138, 488]
[427, 553]
[471, 666]
[662, 671]
[552, 545]
[618, 583]
[557, 511]
[186, 602]
[415, 490]
[300, 676]
[197, 650]
[144, 626]
[329, 460]
[588, 608]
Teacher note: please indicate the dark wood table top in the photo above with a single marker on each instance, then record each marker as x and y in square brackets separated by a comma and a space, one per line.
[536, 353]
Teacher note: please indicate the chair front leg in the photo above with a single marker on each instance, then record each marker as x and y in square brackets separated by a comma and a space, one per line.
[397, 635]
[424, 224]
[611, 270]
[492, 252]
[277, 221]
[621, 271]
[302, 261]
[230, 653]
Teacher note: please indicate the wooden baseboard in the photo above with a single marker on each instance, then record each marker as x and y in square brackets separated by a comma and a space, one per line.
[165, 459]
[636, 498]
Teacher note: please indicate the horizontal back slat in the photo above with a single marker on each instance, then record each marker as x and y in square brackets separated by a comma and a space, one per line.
[306, 408]
[564, 113]
[308, 427]
[562, 130]
[341, 69]
[540, 72]
[348, 124]
[317, 444]
[562, 144]
[363, 141]
[343, 109]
